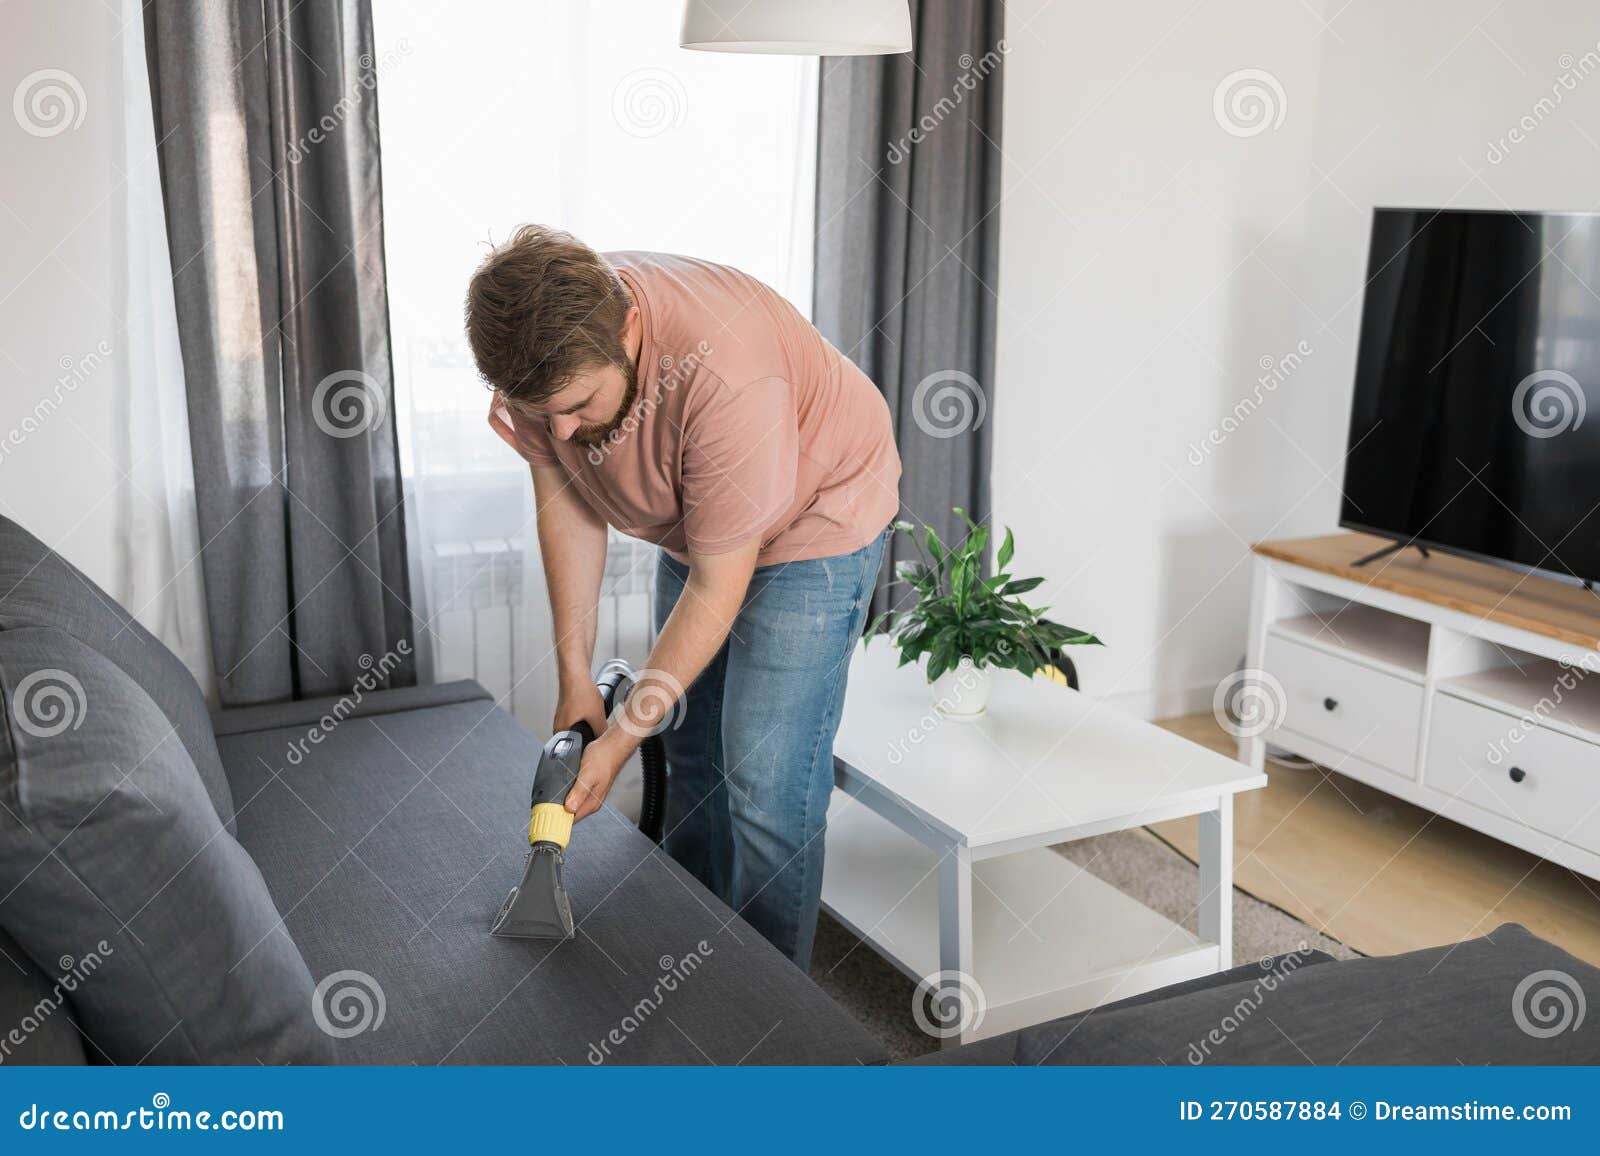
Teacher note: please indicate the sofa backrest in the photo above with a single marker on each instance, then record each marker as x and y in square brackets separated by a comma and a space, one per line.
[36, 1021]
[111, 850]
[38, 587]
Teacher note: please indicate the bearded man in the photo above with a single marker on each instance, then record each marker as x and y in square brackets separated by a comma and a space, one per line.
[691, 406]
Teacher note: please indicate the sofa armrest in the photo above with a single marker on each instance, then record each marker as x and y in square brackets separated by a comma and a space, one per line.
[1001, 1050]
[309, 711]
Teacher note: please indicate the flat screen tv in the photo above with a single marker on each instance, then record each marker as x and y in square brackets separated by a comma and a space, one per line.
[1475, 425]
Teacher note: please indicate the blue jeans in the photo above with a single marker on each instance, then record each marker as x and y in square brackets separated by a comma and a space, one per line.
[751, 762]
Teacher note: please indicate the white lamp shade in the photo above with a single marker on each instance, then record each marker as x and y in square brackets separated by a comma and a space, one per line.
[798, 27]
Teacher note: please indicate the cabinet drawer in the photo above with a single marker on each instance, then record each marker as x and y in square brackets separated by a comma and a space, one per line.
[1474, 752]
[1347, 706]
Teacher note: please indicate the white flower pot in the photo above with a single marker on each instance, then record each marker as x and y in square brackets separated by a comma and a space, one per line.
[962, 693]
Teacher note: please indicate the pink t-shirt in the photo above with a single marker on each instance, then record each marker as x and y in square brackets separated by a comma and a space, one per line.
[747, 423]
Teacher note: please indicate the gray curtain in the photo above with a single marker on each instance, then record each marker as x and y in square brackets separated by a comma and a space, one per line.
[267, 128]
[908, 187]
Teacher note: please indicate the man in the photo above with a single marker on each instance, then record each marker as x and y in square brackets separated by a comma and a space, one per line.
[689, 405]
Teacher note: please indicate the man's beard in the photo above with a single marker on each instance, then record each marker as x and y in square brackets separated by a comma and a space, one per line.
[593, 436]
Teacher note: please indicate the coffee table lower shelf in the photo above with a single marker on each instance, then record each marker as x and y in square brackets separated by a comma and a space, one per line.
[1048, 938]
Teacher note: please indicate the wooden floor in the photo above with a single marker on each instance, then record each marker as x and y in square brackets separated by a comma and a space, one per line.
[1381, 875]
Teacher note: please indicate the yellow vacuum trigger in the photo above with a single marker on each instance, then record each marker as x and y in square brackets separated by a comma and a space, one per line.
[550, 823]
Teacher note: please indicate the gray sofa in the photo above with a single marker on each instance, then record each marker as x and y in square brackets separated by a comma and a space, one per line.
[1507, 997]
[312, 882]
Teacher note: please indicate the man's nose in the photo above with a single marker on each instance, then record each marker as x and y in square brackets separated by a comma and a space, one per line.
[565, 425]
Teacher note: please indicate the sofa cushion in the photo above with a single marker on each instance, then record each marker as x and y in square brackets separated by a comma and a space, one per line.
[1507, 998]
[391, 842]
[36, 1011]
[38, 587]
[1001, 1050]
[108, 841]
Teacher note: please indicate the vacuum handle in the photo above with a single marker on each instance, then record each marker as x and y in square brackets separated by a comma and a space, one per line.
[558, 764]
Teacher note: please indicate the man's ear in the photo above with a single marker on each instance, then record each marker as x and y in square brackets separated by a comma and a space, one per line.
[632, 332]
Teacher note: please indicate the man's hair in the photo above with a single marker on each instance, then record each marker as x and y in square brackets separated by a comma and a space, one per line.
[542, 308]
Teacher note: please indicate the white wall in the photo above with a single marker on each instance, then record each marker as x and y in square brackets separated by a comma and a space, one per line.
[94, 452]
[59, 276]
[1153, 266]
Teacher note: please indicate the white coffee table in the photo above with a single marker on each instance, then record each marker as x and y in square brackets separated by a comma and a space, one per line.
[939, 837]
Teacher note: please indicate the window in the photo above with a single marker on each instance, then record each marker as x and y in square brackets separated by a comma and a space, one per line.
[589, 117]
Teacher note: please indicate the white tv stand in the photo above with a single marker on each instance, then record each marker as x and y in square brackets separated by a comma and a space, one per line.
[1465, 688]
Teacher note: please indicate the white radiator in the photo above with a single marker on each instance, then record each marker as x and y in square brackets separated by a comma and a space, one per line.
[493, 624]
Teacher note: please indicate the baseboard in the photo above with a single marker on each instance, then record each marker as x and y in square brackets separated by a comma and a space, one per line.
[1164, 703]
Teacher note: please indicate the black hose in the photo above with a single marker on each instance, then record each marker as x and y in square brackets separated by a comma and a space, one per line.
[616, 677]
[653, 808]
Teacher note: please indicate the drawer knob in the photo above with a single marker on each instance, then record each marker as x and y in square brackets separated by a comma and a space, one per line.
[1518, 774]
[1330, 704]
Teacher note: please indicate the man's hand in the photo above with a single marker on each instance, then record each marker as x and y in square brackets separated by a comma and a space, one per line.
[602, 762]
[690, 638]
[580, 703]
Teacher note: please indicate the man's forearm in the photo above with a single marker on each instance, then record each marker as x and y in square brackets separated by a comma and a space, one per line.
[704, 614]
[572, 546]
[689, 639]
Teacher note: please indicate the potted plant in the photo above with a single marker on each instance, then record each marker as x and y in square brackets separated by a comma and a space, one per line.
[967, 626]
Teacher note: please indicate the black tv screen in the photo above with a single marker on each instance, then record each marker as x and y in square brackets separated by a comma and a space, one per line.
[1477, 371]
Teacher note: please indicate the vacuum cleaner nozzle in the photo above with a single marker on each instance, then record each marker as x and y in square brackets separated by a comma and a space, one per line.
[538, 908]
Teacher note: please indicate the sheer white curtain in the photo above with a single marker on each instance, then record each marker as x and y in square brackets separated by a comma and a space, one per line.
[590, 118]
[159, 541]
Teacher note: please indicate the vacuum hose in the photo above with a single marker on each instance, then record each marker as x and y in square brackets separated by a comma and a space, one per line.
[615, 682]
[653, 810]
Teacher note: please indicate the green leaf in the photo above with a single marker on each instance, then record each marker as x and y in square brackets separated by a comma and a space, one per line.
[913, 572]
[1007, 549]
[975, 545]
[961, 581]
[1021, 585]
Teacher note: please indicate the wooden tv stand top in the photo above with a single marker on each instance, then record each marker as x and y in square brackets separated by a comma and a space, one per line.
[1524, 601]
